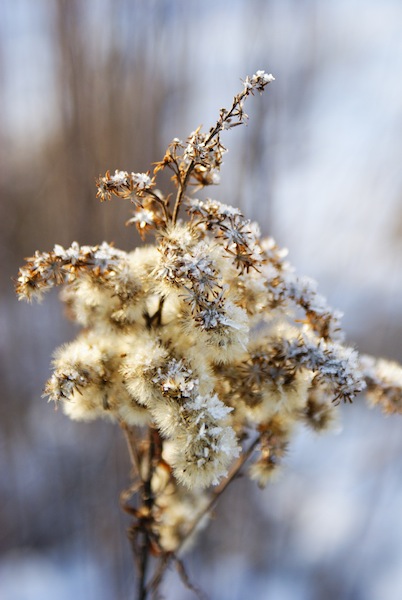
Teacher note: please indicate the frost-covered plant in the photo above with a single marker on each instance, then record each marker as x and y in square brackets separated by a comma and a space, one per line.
[205, 346]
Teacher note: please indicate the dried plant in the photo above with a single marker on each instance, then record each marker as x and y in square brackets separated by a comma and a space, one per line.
[205, 346]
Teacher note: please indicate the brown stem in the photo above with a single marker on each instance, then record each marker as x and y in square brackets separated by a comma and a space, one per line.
[139, 532]
[182, 189]
[161, 203]
[147, 502]
[168, 557]
[156, 319]
[220, 489]
[131, 446]
[214, 131]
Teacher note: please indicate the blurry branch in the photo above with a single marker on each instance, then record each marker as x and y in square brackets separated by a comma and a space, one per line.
[100, 83]
[105, 90]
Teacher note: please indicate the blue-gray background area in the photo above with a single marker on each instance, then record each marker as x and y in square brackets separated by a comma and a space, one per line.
[106, 84]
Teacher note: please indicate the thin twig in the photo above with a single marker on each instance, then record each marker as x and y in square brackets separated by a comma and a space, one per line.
[132, 447]
[161, 202]
[186, 579]
[142, 514]
[214, 131]
[169, 556]
[147, 501]
[182, 189]
[160, 571]
[219, 490]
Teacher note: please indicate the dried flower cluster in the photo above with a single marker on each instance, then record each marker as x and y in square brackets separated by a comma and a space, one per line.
[207, 337]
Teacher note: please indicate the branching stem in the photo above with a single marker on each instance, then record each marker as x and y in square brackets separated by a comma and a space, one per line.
[144, 465]
[172, 556]
[219, 490]
[182, 188]
[183, 181]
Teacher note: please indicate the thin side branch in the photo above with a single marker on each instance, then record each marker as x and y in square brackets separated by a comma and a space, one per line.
[181, 190]
[172, 556]
[243, 458]
[132, 447]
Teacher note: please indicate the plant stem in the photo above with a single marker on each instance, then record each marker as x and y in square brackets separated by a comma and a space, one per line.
[142, 592]
[168, 557]
[143, 514]
[182, 189]
[220, 489]
[147, 501]
[132, 447]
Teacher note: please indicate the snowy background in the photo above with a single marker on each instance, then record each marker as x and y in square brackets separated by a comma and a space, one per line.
[86, 87]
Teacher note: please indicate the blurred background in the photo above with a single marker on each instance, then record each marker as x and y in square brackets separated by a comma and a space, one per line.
[106, 84]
